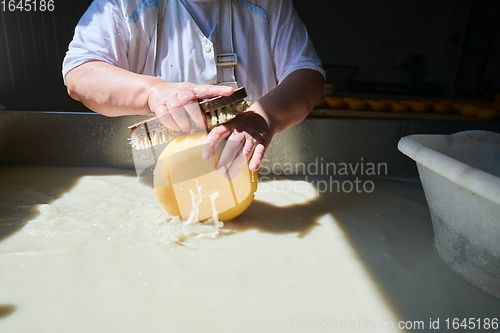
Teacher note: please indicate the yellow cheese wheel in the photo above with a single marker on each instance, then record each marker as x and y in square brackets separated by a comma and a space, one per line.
[469, 109]
[495, 105]
[440, 107]
[399, 107]
[389, 101]
[456, 107]
[377, 105]
[488, 113]
[321, 103]
[357, 105]
[185, 183]
[335, 102]
[419, 106]
[347, 99]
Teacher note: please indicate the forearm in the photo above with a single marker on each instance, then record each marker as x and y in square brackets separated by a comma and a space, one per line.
[292, 100]
[110, 90]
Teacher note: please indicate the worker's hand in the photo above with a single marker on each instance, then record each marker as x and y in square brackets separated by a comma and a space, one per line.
[243, 139]
[176, 104]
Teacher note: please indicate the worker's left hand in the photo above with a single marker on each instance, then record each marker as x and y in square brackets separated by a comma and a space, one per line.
[243, 139]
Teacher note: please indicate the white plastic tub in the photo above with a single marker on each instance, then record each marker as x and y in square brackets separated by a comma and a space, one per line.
[460, 174]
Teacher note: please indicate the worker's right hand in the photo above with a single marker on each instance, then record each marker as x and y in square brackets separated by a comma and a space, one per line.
[176, 104]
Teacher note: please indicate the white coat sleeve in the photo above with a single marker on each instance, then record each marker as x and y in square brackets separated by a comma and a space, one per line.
[101, 34]
[290, 42]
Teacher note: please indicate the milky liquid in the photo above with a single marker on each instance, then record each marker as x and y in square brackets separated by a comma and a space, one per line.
[90, 250]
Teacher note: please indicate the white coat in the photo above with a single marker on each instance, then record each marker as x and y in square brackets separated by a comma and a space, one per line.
[269, 38]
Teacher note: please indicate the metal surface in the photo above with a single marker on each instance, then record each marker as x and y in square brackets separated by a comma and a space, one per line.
[89, 139]
[355, 142]
[65, 139]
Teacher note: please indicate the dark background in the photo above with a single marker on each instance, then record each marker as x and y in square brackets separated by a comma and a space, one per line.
[419, 47]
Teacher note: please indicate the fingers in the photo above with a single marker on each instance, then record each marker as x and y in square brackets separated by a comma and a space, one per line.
[196, 115]
[228, 150]
[215, 136]
[242, 144]
[190, 102]
[181, 119]
[238, 152]
[166, 118]
[230, 159]
[177, 107]
[257, 157]
[171, 113]
[240, 158]
[231, 149]
[208, 91]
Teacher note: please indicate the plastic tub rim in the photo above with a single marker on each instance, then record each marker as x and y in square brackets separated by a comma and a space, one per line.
[464, 175]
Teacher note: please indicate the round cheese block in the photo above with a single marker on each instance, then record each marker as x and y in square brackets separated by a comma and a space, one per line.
[377, 105]
[488, 113]
[320, 103]
[357, 105]
[456, 107]
[399, 107]
[440, 107]
[389, 101]
[469, 109]
[495, 105]
[419, 106]
[335, 102]
[188, 185]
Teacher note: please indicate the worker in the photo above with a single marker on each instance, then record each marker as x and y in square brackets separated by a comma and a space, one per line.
[137, 57]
